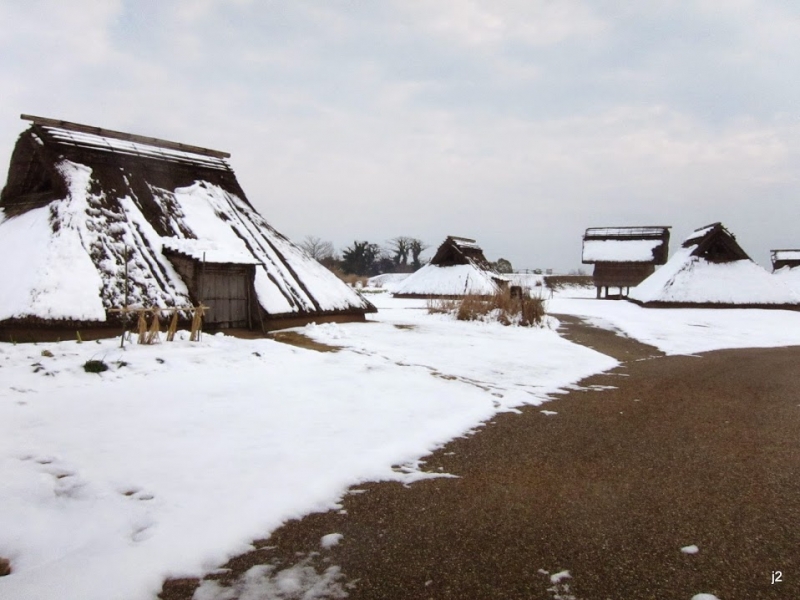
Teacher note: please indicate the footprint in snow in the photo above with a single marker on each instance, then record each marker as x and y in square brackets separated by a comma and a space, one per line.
[42, 460]
[70, 486]
[142, 529]
[136, 494]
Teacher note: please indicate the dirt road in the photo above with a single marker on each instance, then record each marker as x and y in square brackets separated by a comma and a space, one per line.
[661, 454]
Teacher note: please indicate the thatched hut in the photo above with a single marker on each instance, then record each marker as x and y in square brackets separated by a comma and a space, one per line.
[458, 268]
[785, 258]
[623, 257]
[711, 269]
[94, 220]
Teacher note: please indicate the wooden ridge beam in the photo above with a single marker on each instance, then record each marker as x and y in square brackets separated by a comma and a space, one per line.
[120, 135]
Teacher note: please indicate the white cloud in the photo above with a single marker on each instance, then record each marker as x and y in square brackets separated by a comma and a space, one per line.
[480, 22]
[520, 123]
[55, 34]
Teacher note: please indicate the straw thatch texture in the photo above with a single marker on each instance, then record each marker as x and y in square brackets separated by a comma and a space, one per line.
[712, 270]
[105, 218]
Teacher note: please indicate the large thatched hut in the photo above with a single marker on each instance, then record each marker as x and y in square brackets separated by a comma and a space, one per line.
[458, 268]
[94, 220]
[623, 257]
[711, 269]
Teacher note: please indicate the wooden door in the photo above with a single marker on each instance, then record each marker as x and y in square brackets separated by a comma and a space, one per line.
[225, 290]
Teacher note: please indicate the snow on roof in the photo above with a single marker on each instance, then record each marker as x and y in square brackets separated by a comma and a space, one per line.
[698, 234]
[106, 143]
[789, 276]
[626, 232]
[56, 279]
[454, 280]
[209, 251]
[785, 255]
[687, 279]
[616, 250]
[464, 242]
[68, 257]
[387, 281]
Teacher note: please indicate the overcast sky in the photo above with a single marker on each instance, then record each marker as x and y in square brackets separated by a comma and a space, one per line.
[516, 122]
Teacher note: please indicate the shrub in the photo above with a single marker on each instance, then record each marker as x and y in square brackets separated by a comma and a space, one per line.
[95, 366]
[438, 306]
[504, 308]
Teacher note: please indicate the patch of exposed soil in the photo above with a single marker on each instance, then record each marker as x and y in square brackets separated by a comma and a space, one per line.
[605, 341]
[295, 338]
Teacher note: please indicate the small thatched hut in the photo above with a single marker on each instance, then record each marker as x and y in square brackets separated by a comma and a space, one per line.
[623, 257]
[710, 269]
[458, 268]
[785, 258]
[93, 220]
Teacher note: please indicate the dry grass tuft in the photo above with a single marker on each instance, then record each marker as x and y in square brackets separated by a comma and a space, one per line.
[440, 306]
[502, 307]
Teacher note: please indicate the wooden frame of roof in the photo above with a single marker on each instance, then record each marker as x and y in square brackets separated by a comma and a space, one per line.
[456, 250]
[649, 232]
[715, 244]
[121, 135]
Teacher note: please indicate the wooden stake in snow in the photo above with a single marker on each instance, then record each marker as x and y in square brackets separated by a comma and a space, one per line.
[197, 323]
[142, 327]
[152, 334]
[173, 326]
[148, 334]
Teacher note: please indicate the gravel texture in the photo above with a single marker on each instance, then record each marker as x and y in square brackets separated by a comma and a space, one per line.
[662, 453]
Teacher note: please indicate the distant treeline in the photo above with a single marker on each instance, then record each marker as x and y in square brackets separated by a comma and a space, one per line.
[399, 255]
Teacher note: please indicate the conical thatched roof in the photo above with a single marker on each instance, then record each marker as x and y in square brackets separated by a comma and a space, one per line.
[711, 269]
[458, 268]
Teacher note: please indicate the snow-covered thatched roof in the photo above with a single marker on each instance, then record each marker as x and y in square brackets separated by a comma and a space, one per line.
[458, 268]
[80, 202]
[626, 245]
[387, 281]
[786, 255]
[785, 258]
[711, 269]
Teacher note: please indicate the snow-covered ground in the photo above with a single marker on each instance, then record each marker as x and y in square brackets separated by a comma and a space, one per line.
[686, 330]
[182, 453]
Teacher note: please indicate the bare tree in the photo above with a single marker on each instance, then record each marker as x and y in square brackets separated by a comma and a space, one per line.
[400, 247]
[416, 247]
[320, 250]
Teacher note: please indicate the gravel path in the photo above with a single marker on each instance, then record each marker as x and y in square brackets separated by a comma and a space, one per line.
[663, 453]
